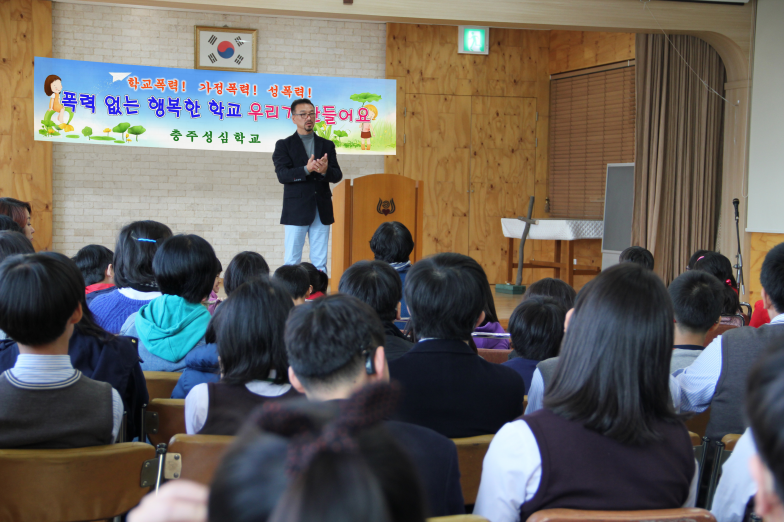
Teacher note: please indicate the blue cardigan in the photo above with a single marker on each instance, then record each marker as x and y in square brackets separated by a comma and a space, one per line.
[201, 365]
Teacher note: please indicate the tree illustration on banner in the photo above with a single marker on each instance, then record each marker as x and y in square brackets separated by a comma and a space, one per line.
[365, 97]
[137, 130]
[87, 132]
[121, 128]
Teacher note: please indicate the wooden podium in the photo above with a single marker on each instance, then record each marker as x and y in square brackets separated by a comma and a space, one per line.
[361, 205]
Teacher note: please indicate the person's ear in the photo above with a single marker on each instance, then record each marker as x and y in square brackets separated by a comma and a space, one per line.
[766, 501]
[398, 317]
[295, 382]
[715, 325]
[310, 291]
[568, 319]
[380, 364]
[481, 318]
[76, 316]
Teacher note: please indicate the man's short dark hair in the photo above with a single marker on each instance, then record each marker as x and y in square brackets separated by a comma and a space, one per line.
[93, 260]
[12, 243]
[185, 265]
[765, 412]
[245, 266]
[558, 289]
[136, 246]
[301, 101]
[537, 328]
[696, 300]
[328, 339]
[376, 284]
[7, 223]
[392, 242]
[772, 276]
[445, 298]
[38, 294]
[637, 254]
[295, 278]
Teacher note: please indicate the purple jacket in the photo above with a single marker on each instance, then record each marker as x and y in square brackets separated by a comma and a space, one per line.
[496, 344]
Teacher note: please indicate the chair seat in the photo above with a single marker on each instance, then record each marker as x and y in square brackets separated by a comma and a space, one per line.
[651, 515]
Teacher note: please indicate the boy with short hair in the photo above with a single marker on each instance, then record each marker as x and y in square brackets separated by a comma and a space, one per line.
[44, 402]
[696, 300]
[296, 280]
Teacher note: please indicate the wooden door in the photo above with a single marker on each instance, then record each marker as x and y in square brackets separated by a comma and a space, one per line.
[503, 159]
[438, 141]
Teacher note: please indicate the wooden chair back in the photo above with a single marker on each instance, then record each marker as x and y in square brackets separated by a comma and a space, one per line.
[653, 515]
[699, 423]
[200, 454]
[163, 419]
[470, 454]
[494, 356]
[161, 384]
[458, 518]
[717, 332]
[65, 485]
[730, 440]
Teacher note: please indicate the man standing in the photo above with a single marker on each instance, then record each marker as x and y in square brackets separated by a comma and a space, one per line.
[306, 164]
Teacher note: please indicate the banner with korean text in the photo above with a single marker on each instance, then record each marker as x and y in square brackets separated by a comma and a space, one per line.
[139, 106]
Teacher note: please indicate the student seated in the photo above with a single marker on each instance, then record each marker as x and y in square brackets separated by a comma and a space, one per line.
[201, 363]
[44, 401]
[608, 438]
[319, 281]
[20, 212]
[446, 386]
[7, 223]
[296, 464]
[720, 267]
[536, 327]
[557, 289]
[765, 407]
[393, 244]
[95, 263]
[170, 326]
[490, 323]
[717, 377]
[696, 300]
[254, 368]
[335, 348]
[375, 283]
[295, 279]
[12, 243]
[637, 254]
[136, 246]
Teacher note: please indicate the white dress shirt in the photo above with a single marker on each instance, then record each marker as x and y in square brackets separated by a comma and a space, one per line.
[698, 381]
[55, 371]
[736, 486]
[136, 295]
[197, 402]
[512, 471]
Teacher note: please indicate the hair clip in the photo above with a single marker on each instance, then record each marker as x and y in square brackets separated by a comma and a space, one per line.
[699, 258]
[729, 282]
[146, 240]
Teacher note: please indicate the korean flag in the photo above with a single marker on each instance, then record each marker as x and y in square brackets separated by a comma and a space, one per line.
[226, 50]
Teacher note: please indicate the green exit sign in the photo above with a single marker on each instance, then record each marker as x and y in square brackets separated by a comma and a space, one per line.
[473, 40]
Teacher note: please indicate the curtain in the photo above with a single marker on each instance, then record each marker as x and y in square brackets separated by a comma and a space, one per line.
[678, 152]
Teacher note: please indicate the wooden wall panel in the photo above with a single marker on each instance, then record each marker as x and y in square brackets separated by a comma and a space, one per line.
[573, 50]
[761, 243]
[25, 165]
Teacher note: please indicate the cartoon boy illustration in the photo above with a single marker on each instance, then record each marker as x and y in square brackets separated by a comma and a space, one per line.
[364, 127]
[53, 86]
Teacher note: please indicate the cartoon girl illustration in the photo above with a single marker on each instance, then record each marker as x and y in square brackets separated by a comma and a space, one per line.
[364, 128]
[53, 86]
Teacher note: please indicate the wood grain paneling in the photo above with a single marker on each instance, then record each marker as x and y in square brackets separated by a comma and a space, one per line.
[761, 243]
[25, 165]
[573, 50]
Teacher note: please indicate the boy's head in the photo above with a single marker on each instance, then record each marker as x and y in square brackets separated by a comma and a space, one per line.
[374, 283]
[95, 263]
[245, 266]
[40, 296]
[772, 279]
[558, 289]
[134, 251]
[185, 265]
[445, 297]
[392, 242]
[765, 412]
[7, 223]
[537, 328]
[334, 344]
[637, 254]
[696, 300]
[296, 280]
[12, 243]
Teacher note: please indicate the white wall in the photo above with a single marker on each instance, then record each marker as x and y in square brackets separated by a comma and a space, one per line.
[766, 148]
[232, 199]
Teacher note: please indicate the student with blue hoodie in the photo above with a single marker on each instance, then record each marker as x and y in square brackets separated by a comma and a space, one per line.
[170, 326]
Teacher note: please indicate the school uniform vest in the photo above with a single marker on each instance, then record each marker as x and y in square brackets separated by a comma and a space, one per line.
[75, 414]
[547, 370]
[740, 348]
[231, 404]
[582, 469]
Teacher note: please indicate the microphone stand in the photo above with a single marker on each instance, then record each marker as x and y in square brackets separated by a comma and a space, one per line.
[739, 257]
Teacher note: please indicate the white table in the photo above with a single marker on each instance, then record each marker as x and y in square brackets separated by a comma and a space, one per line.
[558, 230]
